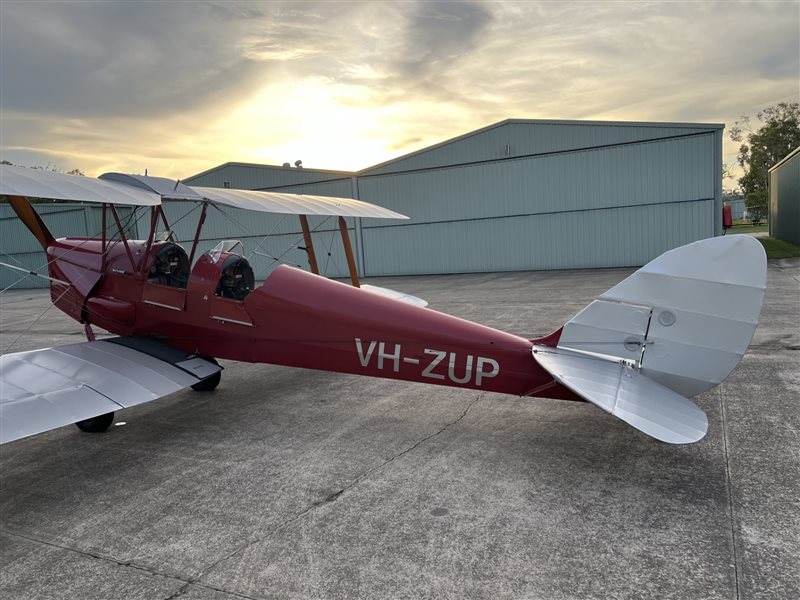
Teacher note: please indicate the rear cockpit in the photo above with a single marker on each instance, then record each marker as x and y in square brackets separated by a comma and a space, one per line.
[170, 266]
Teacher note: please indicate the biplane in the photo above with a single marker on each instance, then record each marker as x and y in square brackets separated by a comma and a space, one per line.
[673, 329]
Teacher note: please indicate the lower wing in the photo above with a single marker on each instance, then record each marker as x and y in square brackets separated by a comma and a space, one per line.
[49, 388]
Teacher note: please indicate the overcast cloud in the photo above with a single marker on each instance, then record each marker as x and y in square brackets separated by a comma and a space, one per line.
[178, 87]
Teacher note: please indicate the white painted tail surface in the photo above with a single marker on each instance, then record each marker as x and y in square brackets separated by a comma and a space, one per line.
[621, 390]
[683, 321]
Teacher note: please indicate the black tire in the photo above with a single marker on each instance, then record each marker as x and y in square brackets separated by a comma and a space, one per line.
[96, 424]
[209, 383]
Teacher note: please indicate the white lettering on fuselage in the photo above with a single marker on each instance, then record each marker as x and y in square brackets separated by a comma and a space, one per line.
[364, 358]
[462, 369]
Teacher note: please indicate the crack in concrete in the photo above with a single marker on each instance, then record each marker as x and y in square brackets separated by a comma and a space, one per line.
[784, 271]
[128, 564]
[109, 559]
[327, 500]
[731, 510]
[195, 581]
[209, 587]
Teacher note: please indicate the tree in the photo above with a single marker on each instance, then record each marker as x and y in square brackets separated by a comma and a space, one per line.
[777, 136]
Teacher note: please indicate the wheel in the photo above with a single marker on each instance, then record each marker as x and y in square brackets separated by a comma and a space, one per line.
[209, 383]
[96, 424]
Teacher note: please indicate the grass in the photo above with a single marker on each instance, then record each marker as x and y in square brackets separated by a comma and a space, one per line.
[778, 248]
[748, 228]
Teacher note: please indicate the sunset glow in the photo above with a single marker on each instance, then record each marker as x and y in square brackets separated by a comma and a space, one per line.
[346, 85]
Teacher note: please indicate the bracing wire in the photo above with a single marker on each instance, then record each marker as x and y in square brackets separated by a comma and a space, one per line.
[12, 257]
[330, 255]
[36, 320]
[127, 224]
[269, 233]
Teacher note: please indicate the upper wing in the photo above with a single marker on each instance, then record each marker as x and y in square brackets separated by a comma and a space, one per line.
[44, 389]
[260, 201]
[142, 190]
[35, 183]
[295, 204]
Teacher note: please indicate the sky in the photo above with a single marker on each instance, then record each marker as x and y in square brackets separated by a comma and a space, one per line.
[178, 87]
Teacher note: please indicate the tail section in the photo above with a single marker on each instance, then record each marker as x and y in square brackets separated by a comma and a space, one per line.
[674, 329]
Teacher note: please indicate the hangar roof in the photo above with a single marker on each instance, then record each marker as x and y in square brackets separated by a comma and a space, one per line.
[516, 138]
[785, 159]
[511, 138]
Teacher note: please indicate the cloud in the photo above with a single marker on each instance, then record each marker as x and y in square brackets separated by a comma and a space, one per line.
[123, 58]
[350, 84]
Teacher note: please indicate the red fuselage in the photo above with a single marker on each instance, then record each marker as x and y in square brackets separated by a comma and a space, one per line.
[296, 319]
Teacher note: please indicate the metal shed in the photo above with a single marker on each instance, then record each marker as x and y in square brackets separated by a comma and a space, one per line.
[523, 195]
[784, 199]
[516, 195]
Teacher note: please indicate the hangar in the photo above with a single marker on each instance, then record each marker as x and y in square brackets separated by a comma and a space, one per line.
[517, 195]
[524, 195]
[784, 199]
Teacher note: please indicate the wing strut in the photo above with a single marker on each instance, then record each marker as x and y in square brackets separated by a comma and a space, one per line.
[348, 252]
[31, 220]
[312, 257]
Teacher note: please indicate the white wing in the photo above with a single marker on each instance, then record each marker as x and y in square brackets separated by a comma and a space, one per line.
[142, 190]
[274, 202]
[295, 204]
[44, 389]
[35, 183]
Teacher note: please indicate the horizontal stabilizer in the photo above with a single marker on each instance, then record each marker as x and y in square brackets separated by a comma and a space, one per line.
[44, 389]
[626, 393]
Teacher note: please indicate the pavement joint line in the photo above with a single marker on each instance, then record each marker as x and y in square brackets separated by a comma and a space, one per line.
[108, 559]
[731, 511]
[179, 592]
[772, 265]
[122, 563]
[408, 450]
[327, 500]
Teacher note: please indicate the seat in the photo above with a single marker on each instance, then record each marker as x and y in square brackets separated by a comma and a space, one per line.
[170, 266]
[237, 279]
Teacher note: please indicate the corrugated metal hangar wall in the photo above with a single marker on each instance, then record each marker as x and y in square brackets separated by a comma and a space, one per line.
[19, 248]
[523, 195]
[517, 195]
[784, 199]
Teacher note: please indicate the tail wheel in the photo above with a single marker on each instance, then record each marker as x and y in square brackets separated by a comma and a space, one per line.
[96, 424]
[209, 383]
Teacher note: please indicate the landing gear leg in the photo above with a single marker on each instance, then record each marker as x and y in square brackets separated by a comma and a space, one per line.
[96, 424]
[209, 383]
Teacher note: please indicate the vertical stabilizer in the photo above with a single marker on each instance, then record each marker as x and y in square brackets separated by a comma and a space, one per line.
[674, 329]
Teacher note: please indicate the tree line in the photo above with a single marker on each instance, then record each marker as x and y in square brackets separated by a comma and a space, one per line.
[762, 148]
